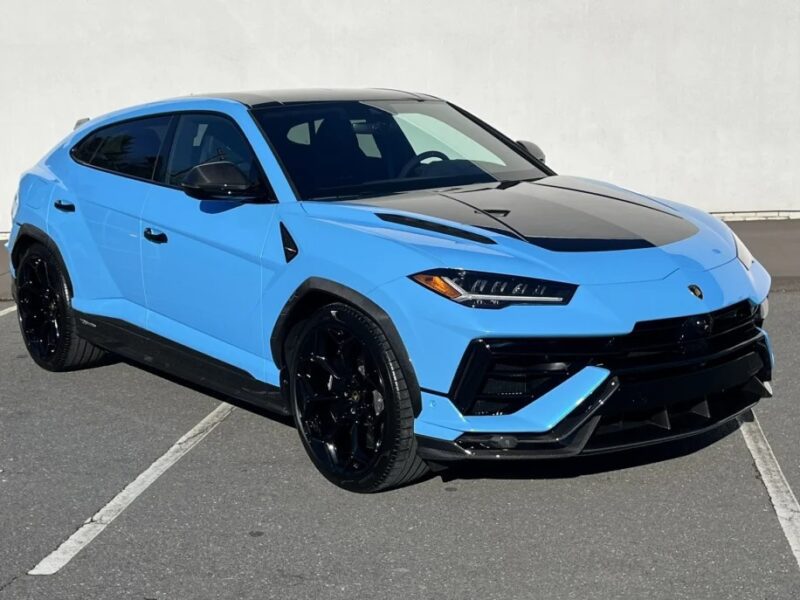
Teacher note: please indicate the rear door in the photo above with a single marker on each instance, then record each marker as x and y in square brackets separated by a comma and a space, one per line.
[95, 215]
[201, 258]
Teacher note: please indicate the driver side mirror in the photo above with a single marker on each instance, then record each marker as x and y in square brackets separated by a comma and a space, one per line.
[532, 149]
[221, 180]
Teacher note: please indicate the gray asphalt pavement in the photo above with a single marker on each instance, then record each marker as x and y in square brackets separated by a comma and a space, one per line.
[245, 515]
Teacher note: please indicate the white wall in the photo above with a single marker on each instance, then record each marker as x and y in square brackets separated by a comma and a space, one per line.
[696, 100]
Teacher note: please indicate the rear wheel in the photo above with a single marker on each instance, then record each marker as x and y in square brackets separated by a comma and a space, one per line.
[351, 403]
[45, 316]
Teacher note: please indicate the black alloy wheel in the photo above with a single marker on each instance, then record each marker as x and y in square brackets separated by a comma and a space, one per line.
[351, 403]
[40, 317]
[45, 314]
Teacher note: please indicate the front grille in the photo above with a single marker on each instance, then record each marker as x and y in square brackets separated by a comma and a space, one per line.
[500, 376]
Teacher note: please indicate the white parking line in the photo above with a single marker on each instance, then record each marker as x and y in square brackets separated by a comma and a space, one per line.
[783, 499]
[90, 529]
[7, 311]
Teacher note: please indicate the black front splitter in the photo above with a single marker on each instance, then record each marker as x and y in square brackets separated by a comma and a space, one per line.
[592, 435]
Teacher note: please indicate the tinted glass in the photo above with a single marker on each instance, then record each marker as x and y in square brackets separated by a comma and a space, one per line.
[335, 150]
[205, 138]
[85, 150]
[130, 148]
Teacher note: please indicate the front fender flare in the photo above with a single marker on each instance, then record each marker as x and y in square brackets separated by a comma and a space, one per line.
[331, 288]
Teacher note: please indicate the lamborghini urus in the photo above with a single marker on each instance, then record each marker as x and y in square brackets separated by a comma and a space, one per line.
[408, 284]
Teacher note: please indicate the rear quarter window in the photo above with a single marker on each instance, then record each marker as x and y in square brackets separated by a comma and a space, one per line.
[130, 148]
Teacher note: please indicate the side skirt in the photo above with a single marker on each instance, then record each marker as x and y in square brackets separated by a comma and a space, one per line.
[162, 354]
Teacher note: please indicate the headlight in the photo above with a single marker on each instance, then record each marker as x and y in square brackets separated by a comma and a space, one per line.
[742, 252]
[763, 312]
[489, 290]
[14, 207]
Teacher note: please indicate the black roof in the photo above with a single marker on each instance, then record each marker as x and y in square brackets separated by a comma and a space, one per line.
[255, 99]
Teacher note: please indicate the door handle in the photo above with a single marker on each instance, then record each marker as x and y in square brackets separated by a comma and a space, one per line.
[155, 236]
[64, 206]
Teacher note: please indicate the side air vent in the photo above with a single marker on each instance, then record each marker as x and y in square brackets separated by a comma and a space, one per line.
[436, 227]
[289, 246]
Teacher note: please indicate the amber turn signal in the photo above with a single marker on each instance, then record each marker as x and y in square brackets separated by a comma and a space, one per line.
[437, 284]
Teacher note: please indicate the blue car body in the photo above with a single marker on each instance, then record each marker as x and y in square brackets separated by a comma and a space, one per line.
[222, 284]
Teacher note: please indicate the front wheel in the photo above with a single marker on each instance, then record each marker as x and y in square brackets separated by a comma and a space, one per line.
[351, 402]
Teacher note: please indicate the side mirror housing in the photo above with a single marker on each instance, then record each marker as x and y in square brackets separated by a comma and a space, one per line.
[221, 180]
[532, 149]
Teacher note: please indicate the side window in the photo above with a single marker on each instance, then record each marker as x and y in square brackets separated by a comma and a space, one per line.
[130, 148]
[205, 138]
[84, 151]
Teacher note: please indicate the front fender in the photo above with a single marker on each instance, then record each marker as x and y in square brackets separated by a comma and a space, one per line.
[315, 285]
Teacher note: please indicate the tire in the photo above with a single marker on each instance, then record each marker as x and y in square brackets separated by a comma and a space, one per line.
[45, 314]
[351, 403]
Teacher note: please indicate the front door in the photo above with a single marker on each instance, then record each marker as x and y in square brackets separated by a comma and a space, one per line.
[203, 275]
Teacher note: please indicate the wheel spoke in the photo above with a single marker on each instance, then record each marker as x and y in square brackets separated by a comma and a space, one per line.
[335, 430]
[326, 365]
[322, 399]
[369, 381]
[340, 396]
[38, 306]
[304, 382]
[369, 374]
[344, 353]
[40, 272]
[51, 336]
[358, 457]
[311, 395]
[324, 450]
[349, 352]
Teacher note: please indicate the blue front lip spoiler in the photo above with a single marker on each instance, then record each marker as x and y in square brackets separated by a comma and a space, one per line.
[441, 419]
[567, 438]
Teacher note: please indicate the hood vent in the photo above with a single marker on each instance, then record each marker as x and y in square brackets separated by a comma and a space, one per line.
[581, 244]
[435, 227]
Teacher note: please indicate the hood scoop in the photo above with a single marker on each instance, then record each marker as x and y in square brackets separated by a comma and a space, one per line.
[435, 227]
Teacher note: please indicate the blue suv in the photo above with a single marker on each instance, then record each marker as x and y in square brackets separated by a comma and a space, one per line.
[410, 285]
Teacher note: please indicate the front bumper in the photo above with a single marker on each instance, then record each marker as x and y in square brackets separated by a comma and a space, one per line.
[668, 379]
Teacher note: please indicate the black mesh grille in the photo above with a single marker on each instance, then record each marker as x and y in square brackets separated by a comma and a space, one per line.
[502, 376]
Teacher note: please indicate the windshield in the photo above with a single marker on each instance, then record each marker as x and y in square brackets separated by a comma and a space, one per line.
[341, 150]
